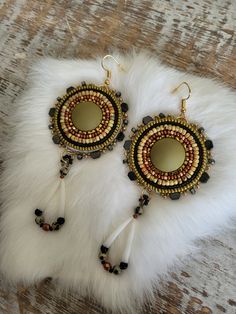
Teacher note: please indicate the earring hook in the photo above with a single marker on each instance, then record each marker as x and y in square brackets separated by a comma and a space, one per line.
[189, 89]
[108, 71]
[183, 101]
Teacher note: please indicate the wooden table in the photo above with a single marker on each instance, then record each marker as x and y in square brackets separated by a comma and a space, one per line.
[196, 36]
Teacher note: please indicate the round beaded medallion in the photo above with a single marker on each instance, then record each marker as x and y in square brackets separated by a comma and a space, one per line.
[187, 148]
[102, 129]
[86, 121]
[168, 155]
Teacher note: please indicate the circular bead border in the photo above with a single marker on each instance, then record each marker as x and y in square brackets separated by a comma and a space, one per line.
[101, 138]
[188, 176]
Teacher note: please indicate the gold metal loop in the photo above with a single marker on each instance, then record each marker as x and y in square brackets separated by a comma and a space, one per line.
[108, 71]
[183, 101]
[189, 89]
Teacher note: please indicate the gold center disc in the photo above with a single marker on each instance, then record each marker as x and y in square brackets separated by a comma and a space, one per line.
[167, 154]
[86, 116]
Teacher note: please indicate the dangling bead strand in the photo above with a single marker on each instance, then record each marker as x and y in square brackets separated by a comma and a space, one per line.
[46, 226]
[104, 249]
[66, 162]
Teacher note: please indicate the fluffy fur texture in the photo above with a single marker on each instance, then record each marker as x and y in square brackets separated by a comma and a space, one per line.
[99, 194]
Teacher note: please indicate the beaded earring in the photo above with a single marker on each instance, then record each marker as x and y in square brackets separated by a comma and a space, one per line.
[85, 122]
[166, 155]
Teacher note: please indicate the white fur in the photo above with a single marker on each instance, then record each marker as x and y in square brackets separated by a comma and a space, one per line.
[99, 196]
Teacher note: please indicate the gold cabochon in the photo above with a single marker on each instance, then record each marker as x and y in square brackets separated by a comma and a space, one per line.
[167, 154]
[86, 116]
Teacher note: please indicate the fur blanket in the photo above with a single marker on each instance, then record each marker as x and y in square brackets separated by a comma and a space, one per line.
[99, 196]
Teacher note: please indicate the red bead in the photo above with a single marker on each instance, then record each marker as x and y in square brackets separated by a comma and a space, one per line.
[46, 227]
[107, 266]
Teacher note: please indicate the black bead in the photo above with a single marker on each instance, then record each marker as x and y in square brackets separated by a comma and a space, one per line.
[124, 161]
[79, 156]
[145, 200]
[209, 144]
[52, 112]
[134, 130]
[58, 98]
[83, 83]
[60, 220]
[95, 154]
[71, 161]
[103, 262]
[68, 158]
[115, 271]
[175, 196]
[126, 122]
[123, 265]
[201, 130]
[192, 191]
[127, 144]
[132, 176]
[102, 258]
[211, 161]
[118, 94]
[124, 107]
[120, 137]
[110, 147]
[161, 115]
[147, 119]
[62, 173]
[41, 225]
[104, 249]
[57, 227]
[50, 126]
[205, 177]
[137, 209]
[50, 228]
[70, 89]
[111, 270]
[56, 139]
[38, 212]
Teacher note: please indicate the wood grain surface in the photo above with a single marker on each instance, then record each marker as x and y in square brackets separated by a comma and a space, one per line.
[195, 36]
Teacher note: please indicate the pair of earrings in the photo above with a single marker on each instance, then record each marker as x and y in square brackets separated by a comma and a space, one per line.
[166, 154]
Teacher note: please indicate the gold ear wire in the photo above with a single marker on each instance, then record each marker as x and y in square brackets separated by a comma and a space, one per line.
[108, 71]
[183, 101]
